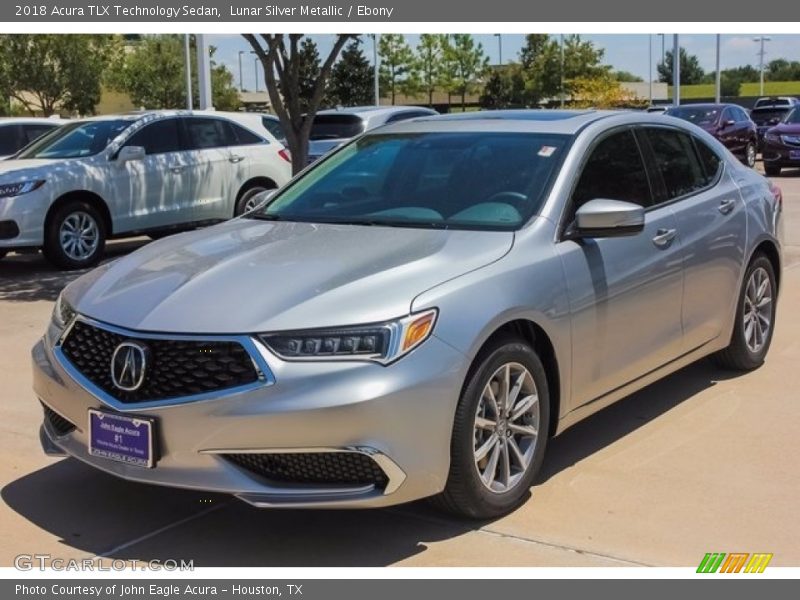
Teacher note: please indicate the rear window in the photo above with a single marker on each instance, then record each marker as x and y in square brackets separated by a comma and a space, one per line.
[768, 116]
[698, 116]
[329, 127]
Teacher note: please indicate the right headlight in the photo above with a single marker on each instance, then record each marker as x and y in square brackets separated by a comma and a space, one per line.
[19, 188]
[382, 342]
[63, 313]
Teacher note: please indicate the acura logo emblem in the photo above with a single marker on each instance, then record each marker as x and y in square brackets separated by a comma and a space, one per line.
[128, 365]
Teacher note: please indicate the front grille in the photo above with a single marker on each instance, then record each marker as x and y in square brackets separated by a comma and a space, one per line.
[350, 468]
[175, 368]
[59, 424]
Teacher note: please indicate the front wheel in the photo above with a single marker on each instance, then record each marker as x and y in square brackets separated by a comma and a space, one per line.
[75, 236]
[249, 200]
[499, 434]
[750, 155]
[755, 319]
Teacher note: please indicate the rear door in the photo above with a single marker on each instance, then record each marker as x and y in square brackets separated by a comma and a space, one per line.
[625, 292]
[711, 223]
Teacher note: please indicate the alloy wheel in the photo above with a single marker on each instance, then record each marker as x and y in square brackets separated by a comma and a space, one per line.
[79, 235]
[506, 427]
[757, 310]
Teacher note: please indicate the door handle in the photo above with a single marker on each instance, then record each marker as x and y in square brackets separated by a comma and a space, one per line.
[235, 158]
[664, 237]
[177, 170]
[726, 206]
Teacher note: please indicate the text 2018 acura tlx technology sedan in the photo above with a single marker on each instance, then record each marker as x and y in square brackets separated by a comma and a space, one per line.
[418, 313]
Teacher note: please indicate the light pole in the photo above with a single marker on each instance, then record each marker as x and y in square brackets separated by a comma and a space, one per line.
[187, 61]
[241, 87]
[255, 68]
[650, 64]
[561, 44]
[718, 78]
[499, 37]
[663, 53]
[376, 70]
[761, 53]
[676, 71]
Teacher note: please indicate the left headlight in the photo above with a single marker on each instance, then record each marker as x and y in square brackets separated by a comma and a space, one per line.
[63, 313]
[382, 342]
[21, 187]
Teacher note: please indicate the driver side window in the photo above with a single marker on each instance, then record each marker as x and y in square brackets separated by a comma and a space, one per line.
[615, 171]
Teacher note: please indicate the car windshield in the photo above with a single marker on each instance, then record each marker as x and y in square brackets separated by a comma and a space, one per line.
[698, 116]
[442, 180]
[77, 140]
[793, 118]
[768, 116]
[327, 127]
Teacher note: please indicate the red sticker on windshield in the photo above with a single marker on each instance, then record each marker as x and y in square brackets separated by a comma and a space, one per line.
[546, 151]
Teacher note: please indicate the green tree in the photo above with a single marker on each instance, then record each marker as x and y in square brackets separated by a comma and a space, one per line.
[47, 73]
[505, 87]
[466, 63]
[781, 69]
[307, 71]
[280, 57]
[541, 59]
[625, 76]
[152, 73]
[397, 65]
[352, 78]
[730, 83]
[430, 55]
[691, 71]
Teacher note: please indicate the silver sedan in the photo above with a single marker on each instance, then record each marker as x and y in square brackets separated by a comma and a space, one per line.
[418, 314]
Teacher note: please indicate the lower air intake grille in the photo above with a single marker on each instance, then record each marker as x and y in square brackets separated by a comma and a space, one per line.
[351, 468]
[59, 424]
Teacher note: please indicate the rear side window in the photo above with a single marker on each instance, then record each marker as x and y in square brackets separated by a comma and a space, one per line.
[243, 137]
[157, 138]
[202, 133]
[709, 160]
[615, 170]
[676, 161]
[33, 132]
[274, 127]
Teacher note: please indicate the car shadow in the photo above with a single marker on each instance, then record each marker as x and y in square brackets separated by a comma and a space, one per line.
[28, 277]
[90, 511]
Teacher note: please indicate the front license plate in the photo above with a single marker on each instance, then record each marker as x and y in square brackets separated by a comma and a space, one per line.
[794, 154]
[121, 438]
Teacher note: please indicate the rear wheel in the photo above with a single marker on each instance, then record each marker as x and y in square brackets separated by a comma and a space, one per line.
[772, 170]
[248, 200]
[499, 434]
[75, 237]
[755, 318]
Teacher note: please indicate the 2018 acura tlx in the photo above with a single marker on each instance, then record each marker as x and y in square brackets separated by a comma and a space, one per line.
[418, 313]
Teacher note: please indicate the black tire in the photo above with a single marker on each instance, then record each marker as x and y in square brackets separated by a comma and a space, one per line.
[738, 355]
[245, 197]
[749, 157]
[465, 494]
[53, 250]
[3, 253]
[772, 170]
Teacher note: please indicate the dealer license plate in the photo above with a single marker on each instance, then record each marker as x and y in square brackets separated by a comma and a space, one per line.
[122, 438]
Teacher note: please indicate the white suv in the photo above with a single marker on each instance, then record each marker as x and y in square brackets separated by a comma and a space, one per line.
[122, 175]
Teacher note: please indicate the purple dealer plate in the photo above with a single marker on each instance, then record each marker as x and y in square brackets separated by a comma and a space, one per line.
[121, 438]
[794, 154]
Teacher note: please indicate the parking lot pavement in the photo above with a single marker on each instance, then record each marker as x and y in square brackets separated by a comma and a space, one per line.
[702, 461]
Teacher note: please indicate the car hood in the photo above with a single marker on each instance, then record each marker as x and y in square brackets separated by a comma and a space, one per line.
[16, 169]
[248, 275]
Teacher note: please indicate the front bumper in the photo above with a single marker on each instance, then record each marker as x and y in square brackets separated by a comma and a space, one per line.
[780, 154]
[27, 213]
[400, 415]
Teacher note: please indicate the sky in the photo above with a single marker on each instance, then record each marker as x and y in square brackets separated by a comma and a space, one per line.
[626, 52]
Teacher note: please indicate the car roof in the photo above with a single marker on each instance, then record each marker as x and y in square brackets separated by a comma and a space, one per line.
[567, 122]
[38, 120]
[371, 111]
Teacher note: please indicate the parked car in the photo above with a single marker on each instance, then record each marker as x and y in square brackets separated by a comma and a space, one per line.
[18, 132]
[334, 127]
[729, 123]
[152, 172]
[776, 101]
[767, 115]
[418, 313]
[782, 144]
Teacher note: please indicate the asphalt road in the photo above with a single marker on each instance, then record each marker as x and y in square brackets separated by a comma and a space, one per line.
[702, 461]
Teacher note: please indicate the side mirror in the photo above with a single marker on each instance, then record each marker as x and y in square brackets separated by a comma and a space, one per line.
[129, 153]
[608, 218]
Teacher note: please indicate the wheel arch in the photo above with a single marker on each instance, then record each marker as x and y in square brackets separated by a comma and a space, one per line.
[84, 196]
[769, 248]
[259, 180]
